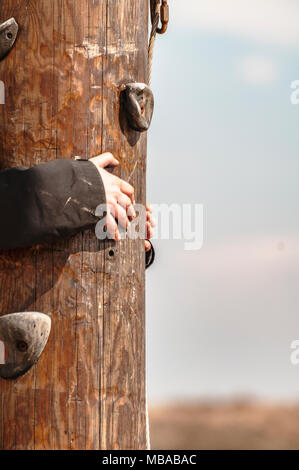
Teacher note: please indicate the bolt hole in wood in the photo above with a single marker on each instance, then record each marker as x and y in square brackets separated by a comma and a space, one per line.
[111, 253]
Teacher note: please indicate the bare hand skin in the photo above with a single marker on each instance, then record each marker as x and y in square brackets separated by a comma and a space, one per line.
[119, 194]
[150, 225]
[120, 199]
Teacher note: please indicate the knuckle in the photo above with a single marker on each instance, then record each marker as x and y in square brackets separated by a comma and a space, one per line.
[106, 155]
[131, 189]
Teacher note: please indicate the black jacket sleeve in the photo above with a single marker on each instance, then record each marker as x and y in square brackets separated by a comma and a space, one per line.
[47, 202]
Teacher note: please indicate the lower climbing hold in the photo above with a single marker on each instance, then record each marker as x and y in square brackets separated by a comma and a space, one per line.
[25, 335]
[8, 34]
[137, 101]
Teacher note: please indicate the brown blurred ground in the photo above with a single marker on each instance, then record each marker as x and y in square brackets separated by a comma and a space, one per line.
[237, 425]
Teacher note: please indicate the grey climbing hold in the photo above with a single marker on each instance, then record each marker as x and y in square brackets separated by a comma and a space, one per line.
[8, 35]
[25, 336]
[137, 101]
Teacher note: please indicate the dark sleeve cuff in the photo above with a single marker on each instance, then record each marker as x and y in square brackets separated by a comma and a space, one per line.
[77, 188]
[89, 184]
[150, 256]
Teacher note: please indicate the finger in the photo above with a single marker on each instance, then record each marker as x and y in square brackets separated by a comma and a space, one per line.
[105, 160]
[149, 231]
[121, 216]
[151, 219]
[148, 246]
[127, 189]
[112, 227]
[149, 208]
[124, 201]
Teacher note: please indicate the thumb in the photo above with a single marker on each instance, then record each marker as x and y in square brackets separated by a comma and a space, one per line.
[105, 160]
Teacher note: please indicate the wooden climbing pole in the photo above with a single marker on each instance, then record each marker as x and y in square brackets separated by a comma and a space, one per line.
[62, 83]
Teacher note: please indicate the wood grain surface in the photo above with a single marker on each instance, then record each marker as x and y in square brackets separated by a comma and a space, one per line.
[62, 82]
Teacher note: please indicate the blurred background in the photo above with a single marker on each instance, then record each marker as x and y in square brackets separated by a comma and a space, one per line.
[221, 320]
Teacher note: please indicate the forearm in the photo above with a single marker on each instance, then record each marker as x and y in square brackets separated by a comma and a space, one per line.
[47, 202]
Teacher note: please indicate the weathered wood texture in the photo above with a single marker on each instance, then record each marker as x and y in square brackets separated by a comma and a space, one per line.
[62, 96]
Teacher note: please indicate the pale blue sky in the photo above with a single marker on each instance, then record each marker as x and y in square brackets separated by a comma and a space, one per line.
[221, 320]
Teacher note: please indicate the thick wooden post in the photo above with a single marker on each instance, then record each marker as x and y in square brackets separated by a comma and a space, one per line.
[62, 83]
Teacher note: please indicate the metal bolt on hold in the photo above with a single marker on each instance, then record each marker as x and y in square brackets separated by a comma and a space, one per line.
[22, 346]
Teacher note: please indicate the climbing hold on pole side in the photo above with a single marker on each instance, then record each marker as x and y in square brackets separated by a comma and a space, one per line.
[137, 101]
[25, 336]
[8, 35]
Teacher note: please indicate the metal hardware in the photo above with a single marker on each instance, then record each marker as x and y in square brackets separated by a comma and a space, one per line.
[137, 101]
[164, 15]
[8, 34]
[163, 12]
[25, 336]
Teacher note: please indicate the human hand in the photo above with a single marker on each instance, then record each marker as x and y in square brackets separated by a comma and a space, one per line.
[120, 199]
[119, 195]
